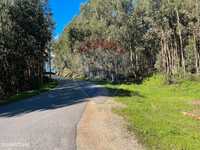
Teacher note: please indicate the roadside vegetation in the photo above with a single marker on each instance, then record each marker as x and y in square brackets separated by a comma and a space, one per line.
[45, 87]
[25, 35]
[128, 40]
[156, 112]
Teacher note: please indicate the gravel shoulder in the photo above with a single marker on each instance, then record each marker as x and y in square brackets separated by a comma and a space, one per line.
[101, 129]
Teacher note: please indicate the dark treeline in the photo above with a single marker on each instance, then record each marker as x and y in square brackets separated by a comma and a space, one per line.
[25, 31]
[131, 39]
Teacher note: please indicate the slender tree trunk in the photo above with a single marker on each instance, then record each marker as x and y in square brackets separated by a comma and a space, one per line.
[196, 54]
[181, 42]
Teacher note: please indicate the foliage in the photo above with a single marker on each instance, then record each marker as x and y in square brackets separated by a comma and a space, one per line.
[150, 35]
[47, 86]
[25, 31]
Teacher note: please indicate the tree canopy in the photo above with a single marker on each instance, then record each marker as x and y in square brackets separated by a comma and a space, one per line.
[131, 39]
[25, 31]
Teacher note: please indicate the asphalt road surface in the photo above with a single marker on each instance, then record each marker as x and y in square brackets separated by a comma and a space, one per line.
[47, 121]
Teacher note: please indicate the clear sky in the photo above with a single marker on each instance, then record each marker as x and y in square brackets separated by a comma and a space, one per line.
[63, 13]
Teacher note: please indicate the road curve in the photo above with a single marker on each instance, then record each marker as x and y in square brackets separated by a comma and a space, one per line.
[47, 121]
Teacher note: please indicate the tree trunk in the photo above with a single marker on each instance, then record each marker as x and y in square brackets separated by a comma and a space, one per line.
[181, 42]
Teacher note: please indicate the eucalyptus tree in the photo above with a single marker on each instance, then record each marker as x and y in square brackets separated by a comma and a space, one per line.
[176, 23]
[151, 35]
[25, 31]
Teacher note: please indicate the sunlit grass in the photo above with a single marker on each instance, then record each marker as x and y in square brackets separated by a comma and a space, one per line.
[156, 113]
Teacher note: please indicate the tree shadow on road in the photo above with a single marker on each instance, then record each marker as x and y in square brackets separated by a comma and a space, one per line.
[66, 94]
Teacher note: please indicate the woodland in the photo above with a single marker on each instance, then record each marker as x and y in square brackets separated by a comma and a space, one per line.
[128, 40]
[25, 33]
[115, 40]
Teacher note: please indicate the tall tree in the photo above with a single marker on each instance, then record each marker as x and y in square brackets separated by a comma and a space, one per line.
[149, 34]
[25, 31]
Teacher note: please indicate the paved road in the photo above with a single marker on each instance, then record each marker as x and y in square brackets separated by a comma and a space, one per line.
[48, 121]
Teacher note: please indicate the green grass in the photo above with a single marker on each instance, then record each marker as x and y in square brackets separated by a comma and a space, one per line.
[154, 112]
[27, 94]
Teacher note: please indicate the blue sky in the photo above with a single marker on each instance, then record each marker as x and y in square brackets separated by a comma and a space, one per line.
[63, 13]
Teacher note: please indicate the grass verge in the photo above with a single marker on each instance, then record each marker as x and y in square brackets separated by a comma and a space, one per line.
[155, 112]
[27, 94]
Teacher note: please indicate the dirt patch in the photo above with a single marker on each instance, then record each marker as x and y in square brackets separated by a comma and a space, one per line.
[101, 129]
[196, 102]
[195, 114]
